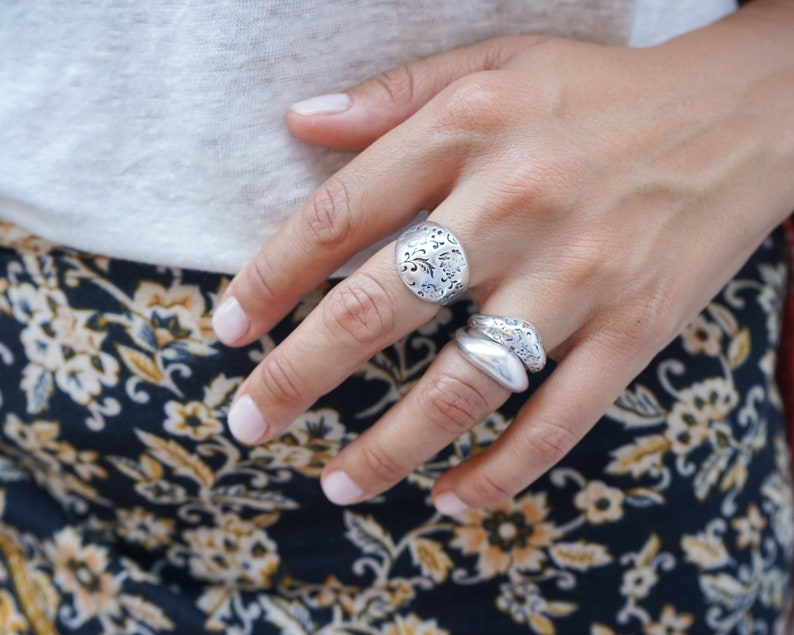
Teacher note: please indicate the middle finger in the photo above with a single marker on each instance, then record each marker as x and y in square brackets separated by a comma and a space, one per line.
[363, 314]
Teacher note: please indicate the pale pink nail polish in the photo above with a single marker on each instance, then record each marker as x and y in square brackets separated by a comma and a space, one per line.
[246, 422]
[340, 489]
[323, 105]
[449, 504]
[229, 321]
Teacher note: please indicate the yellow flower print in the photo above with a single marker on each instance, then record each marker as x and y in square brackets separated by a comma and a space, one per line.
[701, 337]
[749, 528]
[149, 481]
[397, 591]
[81, 571]
[5, 305]
[638, 582]
[580, 555]
[27, 302]
[525, 605]
[670, 623]
[238, 553]
[413, 625]
[140, 526]
[175, 316]
[308, 444]
[706, 550]
[54, 322]
[713, 399]
[193, 419]
[431, 558]
[63, 346]
[48, 459]
[12, 621]
[642, 577]
[600, 503]
[83, 462]
[379, 600]
[38, 438]
[513, 535]
[691, 421]
[770, 299]
[333, 592]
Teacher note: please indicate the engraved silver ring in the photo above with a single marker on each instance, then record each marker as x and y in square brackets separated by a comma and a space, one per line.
[518, 335]
[432, 263]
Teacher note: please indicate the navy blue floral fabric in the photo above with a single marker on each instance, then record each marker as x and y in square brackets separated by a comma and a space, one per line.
[126, 506]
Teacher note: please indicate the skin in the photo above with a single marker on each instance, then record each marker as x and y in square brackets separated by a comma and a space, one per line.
[547, 158]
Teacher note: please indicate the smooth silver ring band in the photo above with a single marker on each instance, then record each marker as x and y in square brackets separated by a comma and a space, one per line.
[493, 359]
[517, 335]
[432, 263]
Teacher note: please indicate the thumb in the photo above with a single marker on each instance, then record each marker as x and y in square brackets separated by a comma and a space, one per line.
[355, 118]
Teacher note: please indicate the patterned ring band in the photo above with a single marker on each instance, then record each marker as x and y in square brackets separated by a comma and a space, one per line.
[432, 263]
[517, 335]
[493, 359]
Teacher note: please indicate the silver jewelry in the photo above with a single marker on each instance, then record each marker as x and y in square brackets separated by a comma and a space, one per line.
[517, 335]
[432, 263]
[493, 359]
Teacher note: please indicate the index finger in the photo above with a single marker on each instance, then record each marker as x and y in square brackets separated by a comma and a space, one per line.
[375, 195]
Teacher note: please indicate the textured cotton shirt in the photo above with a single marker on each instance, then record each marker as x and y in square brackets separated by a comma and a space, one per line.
[154, 130]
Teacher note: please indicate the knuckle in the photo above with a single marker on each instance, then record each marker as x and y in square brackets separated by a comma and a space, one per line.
[488, 489]
[548, 185]
[279, 377]
[261, 278]
[645, 324]
[475, 103]
[380, 463]
[327, 215]
[453, 404]
[546, 441]
[360, 309]
[399, 84]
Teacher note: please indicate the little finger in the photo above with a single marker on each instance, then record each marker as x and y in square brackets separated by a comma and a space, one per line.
[557, 417]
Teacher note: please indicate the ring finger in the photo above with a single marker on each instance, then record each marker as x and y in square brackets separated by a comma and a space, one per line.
[449, 400]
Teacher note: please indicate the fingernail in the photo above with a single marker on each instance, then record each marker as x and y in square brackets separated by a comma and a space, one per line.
[449, 504]
[323, 105]
[229, 321]
[340, 489]
[246, 422]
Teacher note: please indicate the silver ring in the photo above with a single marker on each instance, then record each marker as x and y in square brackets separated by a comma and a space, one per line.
[517, 335]
[432, 263]
[493, 359]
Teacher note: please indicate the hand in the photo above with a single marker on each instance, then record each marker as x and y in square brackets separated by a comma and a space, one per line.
[602, 193]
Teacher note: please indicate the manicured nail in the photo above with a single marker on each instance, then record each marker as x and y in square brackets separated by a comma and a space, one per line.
[229, 321]
[246, 422]
[340, 489]
[449, 504]
[323, 105]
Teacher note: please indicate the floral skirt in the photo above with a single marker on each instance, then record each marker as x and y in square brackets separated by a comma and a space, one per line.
[126, 506]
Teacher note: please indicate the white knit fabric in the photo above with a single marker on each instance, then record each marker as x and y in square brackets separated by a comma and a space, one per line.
[153, 130]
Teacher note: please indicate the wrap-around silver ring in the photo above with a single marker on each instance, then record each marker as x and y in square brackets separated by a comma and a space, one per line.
[518, 335]
[493, 359]
[432, 263]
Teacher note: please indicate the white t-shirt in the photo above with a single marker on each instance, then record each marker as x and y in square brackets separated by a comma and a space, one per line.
[153, 130]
